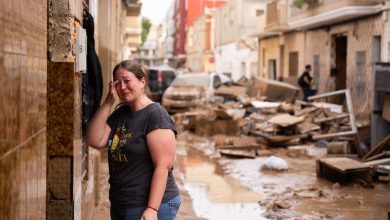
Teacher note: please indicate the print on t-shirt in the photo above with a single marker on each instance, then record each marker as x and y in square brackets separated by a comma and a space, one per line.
[120, 138]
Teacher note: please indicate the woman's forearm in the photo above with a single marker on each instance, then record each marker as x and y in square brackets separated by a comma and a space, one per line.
[158, 185]
[96, 132]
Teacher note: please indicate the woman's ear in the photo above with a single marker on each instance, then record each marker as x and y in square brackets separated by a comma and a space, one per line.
[143, 81]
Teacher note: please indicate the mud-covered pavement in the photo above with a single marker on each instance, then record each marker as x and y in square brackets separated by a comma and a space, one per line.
[293, 194]
[220, 188]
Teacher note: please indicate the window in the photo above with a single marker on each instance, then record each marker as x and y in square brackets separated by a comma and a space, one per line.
[360, 84]
[272, 69]
[316, 68]
[259, 12]
[293, 64]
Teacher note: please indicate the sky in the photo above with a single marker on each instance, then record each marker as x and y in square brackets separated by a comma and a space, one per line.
[155, 10]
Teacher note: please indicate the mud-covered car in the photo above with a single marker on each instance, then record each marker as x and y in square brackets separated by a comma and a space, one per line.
[190, 90]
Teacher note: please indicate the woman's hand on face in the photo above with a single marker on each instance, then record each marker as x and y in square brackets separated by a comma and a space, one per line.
[149, 214]
[111, 96]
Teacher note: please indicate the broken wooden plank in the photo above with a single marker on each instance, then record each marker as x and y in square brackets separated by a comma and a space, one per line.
[321, 120]
[278, 138]
[378, 162]
[378, 147]
[378, 156]
[343, 170]
[306, 127]
[238, 153]
[329, 135]
[305, 111]
[285, 120]
[245, 147]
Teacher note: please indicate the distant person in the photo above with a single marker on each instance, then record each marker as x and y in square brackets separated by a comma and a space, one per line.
[305, 81]
[140, 137]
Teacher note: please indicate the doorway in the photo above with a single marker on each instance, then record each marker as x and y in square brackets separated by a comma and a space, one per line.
[341, 43]
[272, 69]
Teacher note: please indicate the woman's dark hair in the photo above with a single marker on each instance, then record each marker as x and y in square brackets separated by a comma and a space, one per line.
[138, 71]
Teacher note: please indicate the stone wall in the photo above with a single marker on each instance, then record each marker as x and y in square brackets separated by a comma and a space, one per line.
[67, 197]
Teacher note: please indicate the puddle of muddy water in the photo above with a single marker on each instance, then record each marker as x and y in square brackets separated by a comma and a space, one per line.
[215, 195]
[230, 189]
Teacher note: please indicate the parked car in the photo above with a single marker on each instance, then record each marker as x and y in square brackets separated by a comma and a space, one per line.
[189, 90]
[160, 78]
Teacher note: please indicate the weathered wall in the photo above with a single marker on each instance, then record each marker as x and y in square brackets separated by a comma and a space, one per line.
[268, 50]
[23, 72]
[67, 197]
[360, 34]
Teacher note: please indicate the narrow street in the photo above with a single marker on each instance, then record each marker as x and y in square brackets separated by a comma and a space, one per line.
[281, 107]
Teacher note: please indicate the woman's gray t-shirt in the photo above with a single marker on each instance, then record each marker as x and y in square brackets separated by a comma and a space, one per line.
[130, 163]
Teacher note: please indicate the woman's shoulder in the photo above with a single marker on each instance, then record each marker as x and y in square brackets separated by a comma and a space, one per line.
[157, 108]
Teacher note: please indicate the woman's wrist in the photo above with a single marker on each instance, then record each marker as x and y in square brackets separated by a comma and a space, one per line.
[150, 207]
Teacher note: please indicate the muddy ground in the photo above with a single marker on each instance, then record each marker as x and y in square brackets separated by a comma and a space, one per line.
[296, 193]
[293, 194]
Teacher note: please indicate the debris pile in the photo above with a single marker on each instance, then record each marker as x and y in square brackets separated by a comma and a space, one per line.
[254, 117]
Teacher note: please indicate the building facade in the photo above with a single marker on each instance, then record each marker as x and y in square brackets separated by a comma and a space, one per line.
[200, 41]
[133, 30]
[238, 22]
[340, 39]
[179, 37]
[148, 53]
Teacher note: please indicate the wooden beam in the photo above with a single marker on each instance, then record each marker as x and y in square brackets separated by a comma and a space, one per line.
[338, 92]
[344, 133]
[321, 120]
[378, 147]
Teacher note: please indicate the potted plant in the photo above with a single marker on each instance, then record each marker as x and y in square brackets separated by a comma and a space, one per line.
[301, 3]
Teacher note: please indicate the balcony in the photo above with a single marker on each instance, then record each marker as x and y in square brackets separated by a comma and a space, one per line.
[276, 20]
[133, 31]
[326, 12]
[133, 8]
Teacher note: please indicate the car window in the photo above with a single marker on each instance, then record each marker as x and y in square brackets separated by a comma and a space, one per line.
[216, 81]
[153, 74]
[153, 80]
[192, 80]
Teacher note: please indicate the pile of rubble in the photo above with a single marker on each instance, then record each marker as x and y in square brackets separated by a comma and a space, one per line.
[254, 117]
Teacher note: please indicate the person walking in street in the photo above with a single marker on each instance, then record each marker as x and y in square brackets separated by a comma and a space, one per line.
[140, 137]
[304, 82]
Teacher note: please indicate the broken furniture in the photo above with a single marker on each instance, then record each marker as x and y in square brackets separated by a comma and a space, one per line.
[344, 170]
[353, 128]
